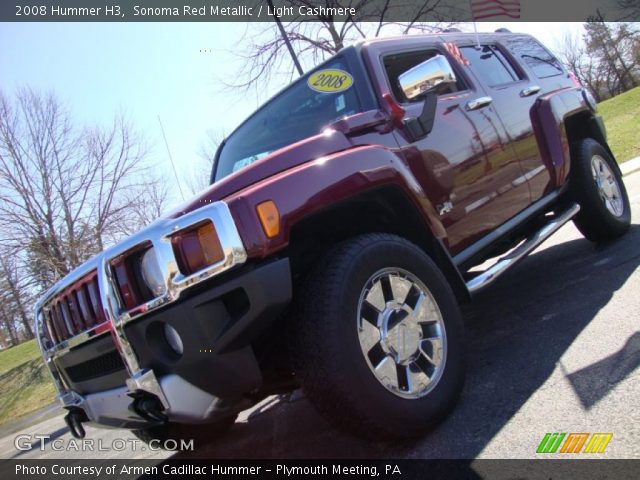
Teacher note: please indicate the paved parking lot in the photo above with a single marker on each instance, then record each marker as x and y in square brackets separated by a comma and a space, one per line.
[553, 346]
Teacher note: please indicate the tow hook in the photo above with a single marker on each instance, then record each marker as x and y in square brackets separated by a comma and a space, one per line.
[148, 407]
[74, 420]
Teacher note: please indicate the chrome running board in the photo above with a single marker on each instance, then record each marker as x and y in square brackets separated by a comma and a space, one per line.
[513, 257]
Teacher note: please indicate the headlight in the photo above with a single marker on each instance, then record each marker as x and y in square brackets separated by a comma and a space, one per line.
[151, 274]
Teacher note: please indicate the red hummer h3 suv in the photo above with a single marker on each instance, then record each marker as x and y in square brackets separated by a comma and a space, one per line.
[336, 242]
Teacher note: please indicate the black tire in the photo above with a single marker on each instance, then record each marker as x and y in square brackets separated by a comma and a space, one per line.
[200, 434]
[595, 221]
[327, 354]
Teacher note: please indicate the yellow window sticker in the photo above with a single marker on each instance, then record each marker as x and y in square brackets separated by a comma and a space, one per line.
[330, 81]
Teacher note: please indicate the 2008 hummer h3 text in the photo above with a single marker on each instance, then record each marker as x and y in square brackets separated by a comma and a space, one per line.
[336, 242]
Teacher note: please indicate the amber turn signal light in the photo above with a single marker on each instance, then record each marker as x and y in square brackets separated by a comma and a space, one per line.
[197, 248]
[210, 244]
[269, 218]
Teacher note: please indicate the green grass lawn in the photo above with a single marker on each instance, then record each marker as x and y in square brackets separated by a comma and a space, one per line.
[622, 117]
[25, 383]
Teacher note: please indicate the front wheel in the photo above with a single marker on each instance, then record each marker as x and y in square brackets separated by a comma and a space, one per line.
[597, 186]
[378, 338]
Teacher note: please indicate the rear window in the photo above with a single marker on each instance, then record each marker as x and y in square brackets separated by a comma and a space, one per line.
[302, 110]
[535, 56]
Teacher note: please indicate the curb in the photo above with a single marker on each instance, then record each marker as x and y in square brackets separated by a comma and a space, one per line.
[630, 166]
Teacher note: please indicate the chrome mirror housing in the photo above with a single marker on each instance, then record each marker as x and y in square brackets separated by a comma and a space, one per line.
[432, 75]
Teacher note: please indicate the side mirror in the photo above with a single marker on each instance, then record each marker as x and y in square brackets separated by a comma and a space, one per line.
[431, 76]
[421, 126]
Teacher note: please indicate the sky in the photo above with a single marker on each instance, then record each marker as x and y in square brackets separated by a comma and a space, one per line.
[175, 71]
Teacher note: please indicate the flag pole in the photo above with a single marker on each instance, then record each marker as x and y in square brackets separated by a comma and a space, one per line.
[475, 27]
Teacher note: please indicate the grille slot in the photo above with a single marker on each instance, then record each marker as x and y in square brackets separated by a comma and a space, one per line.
[98, 367]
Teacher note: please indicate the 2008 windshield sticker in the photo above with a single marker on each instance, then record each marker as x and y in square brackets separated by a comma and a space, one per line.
[330, 81]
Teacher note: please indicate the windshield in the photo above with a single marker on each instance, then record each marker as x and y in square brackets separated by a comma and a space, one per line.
[301, 111]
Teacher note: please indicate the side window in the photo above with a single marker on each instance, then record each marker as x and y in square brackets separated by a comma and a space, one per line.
[490, 65]
[537, 58]
[398, 63]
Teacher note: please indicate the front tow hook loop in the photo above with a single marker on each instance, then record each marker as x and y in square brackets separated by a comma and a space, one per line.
[74, 420]
[148, 407]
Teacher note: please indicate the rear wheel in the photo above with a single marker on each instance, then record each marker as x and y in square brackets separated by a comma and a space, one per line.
[165, 436]
[597, 186]
[377, 338]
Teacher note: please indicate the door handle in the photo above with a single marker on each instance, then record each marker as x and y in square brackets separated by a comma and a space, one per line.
[479, 103]
[530, 91]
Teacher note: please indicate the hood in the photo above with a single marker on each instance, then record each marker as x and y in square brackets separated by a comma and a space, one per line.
[312, 148]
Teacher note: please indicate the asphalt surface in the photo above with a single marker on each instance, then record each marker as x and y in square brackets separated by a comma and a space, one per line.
[553, 346]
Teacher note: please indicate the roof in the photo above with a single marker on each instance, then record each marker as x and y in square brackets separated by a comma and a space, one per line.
[443, 37]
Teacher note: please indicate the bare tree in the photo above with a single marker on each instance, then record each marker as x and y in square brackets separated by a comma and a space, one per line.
[7, 323]
[315, 38]
[605, 59]
[66, 193]
[145, 206]
[198, 176]
[63, 190]
[14, 290]
[629, 9]
[612, 45]
[572, 52]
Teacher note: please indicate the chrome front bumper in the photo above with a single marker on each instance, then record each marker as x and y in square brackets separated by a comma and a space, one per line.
[186, 403]
[139, 379]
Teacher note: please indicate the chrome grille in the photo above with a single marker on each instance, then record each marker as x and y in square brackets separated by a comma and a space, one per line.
[75, 310]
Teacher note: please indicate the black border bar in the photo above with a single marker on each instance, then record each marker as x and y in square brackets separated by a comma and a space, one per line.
[297, 10]
[536, 469]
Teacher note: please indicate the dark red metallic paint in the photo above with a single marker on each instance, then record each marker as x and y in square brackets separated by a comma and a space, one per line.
[470, 159]
[311, 187]
[278, 161]
[547, 117]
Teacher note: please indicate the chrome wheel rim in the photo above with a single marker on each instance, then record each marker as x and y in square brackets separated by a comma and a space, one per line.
[401, 333]
[607, 183]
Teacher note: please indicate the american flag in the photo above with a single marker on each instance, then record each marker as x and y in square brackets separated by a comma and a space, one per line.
[481, 9]
[455, 52]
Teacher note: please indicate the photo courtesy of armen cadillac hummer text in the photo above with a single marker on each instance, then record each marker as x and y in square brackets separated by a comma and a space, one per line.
[345, 223]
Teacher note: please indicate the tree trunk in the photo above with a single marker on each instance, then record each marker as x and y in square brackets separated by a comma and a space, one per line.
[15, 292]
[8, 326]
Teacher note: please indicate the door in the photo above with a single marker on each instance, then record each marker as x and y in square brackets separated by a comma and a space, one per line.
[465, 164]
[543, 74]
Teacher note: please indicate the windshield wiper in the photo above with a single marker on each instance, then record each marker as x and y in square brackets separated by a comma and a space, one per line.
[544, 60]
